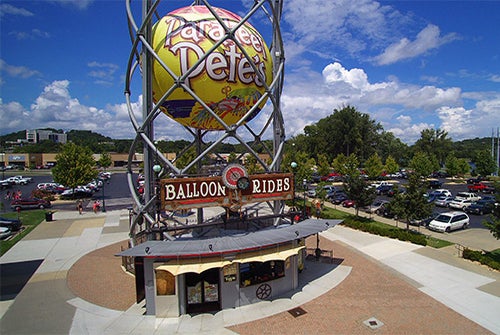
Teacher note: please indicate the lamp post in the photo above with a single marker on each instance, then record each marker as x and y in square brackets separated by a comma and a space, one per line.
[304, 183]
[103, 197]
[293, 166]
[156, 170]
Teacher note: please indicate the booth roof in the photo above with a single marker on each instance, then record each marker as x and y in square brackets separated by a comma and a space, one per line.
[232, 244]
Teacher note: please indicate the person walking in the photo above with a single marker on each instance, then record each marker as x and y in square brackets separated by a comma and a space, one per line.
[79, 207]
[96, 206]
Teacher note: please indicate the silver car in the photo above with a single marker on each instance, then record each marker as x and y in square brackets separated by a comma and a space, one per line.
[443, 201]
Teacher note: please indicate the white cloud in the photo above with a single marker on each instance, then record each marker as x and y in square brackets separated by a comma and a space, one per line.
[102, 72]
[308, 98]
[427, 39]
[17, 71]
[33, 34]
[79, 4]
[7, 9]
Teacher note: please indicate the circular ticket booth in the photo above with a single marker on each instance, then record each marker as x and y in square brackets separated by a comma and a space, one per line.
[192, 275]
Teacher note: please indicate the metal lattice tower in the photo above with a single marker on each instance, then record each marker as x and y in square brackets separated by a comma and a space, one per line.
[249, 135]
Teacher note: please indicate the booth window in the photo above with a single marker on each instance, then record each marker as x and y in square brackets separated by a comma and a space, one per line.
[258, 272]
[165, 283]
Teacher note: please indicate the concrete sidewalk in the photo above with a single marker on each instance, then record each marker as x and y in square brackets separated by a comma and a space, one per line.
[47, 306]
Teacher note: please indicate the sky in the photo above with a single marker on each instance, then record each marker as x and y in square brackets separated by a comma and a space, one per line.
[410, 65]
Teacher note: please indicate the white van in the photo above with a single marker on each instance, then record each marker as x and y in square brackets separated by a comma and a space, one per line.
[446, 222]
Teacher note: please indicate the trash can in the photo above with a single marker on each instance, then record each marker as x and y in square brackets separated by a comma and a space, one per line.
[48, 216]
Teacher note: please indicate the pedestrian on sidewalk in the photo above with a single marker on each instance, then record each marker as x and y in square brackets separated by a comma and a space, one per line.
[96, 206]
[79, 207]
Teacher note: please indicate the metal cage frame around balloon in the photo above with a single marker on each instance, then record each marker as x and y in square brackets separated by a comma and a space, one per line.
[143, 215]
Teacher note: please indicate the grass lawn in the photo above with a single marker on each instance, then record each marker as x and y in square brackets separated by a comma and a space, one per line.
[30, 219]
[341, 215]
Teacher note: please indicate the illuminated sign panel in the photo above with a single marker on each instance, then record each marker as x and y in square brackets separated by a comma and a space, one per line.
[185, 193]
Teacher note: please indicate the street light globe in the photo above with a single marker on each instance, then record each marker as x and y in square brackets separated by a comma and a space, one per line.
[293, 165]
[156, 168]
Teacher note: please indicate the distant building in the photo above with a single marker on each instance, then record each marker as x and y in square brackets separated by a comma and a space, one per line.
[38, 135]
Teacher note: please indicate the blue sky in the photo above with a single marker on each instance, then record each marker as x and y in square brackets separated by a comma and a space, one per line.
[411, 65]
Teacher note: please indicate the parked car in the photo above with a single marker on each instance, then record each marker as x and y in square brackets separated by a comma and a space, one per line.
[424, 221]
[384, 189]
[434, 184]
[12, 224]
[380, 183]
[77, 192]
[475, 180]
[468, 196]
[17, 180]
[480, 187]
[441, 191]
[443, 201]
[348, 203]
[29, 179]
[375, 206]
[446, 222]
[392, 192]
[30, 203]
[4, 233]
[5, 184]
[481, 207]
[458, 203]
[337, 198]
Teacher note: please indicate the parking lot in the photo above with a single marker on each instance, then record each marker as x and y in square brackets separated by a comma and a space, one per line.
[476, 221]
[115, 189]
[116, 195]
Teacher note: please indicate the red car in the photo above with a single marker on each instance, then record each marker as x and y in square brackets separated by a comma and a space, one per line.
[29, 203]
[348, 203]
[481, 187]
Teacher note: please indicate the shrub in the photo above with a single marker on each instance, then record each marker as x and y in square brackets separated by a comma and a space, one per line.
[42, 194]
[486, 258]
[369, 226]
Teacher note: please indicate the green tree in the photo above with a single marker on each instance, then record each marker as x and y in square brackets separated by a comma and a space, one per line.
[434, 142]
[463, 166]
[452, 165]
[456, 166]
[346, 166]
[390, 146]
[304, 169]
[357, 190]
[345, 131]
[411, 205]
[485, 164]
[323, 164]
[75, 166]
[374, 166]
[185, 158]
[423, 164]
[105, 160]
[391, 166]
[493, 224]
[232, 158]
[251, 164]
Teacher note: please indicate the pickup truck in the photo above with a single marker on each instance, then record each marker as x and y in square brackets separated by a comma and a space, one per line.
[381, 183]
[18, 180]
[468, 196]
[481, 187]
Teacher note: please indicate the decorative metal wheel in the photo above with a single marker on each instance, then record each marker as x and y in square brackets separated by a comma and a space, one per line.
[263, 291]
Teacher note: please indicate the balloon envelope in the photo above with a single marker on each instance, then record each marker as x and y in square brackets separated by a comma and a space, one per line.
[192, 44]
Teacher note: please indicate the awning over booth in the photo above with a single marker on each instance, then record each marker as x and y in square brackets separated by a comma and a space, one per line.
[230, 245]
[198, 265]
